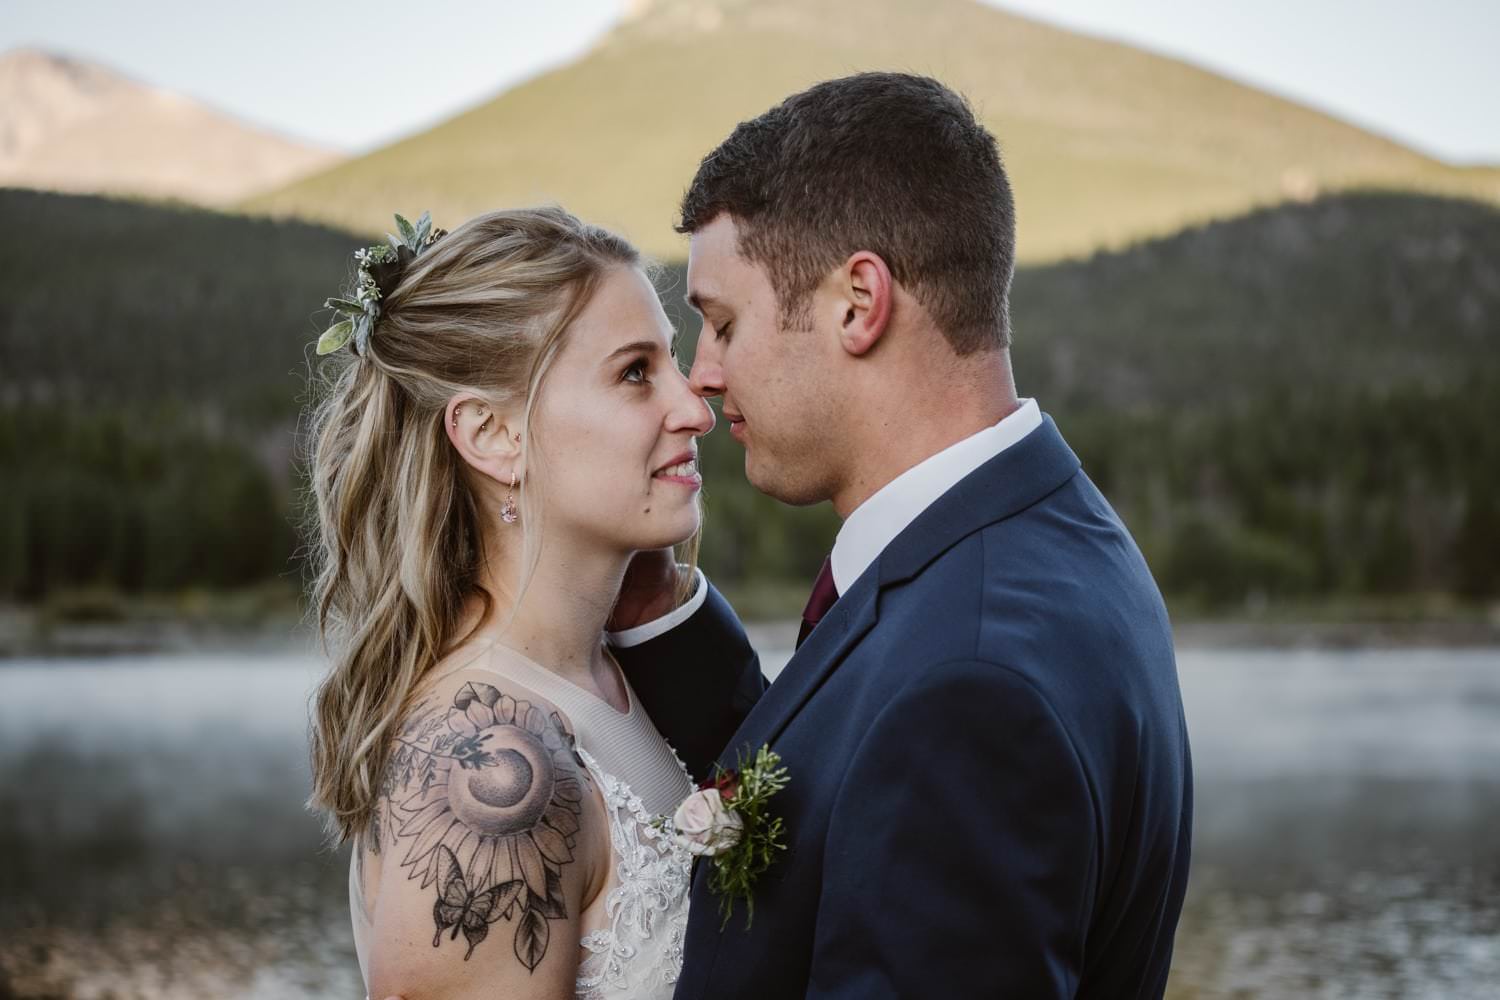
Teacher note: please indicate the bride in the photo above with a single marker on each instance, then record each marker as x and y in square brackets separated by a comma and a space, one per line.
[507, 427]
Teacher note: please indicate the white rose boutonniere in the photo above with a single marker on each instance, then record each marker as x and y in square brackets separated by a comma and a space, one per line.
[704, 826]
[726, 819]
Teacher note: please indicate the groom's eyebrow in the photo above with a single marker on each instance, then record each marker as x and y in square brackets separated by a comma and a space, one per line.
[699, 302]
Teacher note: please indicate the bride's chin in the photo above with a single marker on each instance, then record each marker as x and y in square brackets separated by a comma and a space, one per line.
[674, 536]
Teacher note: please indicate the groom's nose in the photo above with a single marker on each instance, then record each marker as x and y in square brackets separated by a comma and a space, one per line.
[707, 375]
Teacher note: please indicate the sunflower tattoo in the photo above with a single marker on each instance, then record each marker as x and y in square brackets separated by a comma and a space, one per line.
[487, 796]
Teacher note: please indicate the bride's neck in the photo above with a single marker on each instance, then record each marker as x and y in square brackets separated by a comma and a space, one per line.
[563, 609]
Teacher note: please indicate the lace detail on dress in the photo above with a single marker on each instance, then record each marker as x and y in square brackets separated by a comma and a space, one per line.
[639, 953]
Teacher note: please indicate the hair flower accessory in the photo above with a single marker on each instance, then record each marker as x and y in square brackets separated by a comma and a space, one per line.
[378, 270]
[726, 820]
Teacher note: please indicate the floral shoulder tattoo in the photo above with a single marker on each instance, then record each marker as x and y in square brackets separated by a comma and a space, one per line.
[486, 797]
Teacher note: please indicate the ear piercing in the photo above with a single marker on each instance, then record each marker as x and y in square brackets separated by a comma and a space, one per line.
[459, 407]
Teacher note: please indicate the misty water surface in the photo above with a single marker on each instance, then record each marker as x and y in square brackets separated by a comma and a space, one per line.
[153, 841]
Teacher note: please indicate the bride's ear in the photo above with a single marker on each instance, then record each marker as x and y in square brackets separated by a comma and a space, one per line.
[487, 438]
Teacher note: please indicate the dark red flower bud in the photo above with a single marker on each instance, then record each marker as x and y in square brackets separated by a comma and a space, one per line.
[726, 781]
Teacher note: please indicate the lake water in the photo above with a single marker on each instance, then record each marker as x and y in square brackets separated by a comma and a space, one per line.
[153, 842]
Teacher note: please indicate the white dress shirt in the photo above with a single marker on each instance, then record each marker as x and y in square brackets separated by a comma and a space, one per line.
[874, 524]
[626, 638]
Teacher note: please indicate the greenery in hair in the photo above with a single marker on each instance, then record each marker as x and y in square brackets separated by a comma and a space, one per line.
[377, 269]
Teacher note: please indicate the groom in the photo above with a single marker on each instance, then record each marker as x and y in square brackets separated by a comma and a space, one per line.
[990, 789]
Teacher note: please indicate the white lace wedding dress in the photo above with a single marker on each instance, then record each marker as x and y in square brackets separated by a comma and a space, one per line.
[632, 945]
[638, 953]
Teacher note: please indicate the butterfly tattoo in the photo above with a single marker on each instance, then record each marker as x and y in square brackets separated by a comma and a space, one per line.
[460, 907]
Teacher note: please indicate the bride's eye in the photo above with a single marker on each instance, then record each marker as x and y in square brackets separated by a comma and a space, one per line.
[636, 372]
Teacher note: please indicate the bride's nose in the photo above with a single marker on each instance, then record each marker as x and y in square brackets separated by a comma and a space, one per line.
[689, 410]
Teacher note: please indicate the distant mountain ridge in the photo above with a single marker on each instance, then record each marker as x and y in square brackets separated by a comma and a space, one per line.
[71, 125]
[1107, 144]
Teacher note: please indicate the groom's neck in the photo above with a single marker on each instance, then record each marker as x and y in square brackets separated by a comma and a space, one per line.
[910, 413]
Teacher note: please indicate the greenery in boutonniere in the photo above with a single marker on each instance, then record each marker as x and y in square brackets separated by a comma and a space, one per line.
[736, 870]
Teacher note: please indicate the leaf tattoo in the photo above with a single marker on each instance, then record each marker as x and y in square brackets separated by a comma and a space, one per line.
[531, 939]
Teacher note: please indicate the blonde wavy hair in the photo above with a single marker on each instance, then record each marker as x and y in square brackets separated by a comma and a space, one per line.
[396, 531]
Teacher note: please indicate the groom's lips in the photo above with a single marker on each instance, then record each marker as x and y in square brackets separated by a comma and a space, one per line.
[736, 426]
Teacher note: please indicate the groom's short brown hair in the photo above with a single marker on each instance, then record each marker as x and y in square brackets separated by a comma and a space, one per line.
[886, 162]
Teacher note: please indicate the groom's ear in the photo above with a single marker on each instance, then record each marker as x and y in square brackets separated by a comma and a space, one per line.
[866, 292]
[486, 438]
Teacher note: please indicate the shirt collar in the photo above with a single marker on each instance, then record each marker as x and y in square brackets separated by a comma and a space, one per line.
[874, 524]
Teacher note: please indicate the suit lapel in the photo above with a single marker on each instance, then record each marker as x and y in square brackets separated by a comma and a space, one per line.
[851, 616]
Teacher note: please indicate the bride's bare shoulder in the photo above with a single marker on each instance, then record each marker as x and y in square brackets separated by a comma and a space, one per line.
[476, 672]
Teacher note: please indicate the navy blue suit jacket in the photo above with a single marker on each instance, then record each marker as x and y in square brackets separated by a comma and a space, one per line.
[990, 780]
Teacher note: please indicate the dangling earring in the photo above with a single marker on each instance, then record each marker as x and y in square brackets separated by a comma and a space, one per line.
[508, 512]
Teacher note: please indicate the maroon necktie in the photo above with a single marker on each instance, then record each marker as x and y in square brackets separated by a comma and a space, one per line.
[824, 593]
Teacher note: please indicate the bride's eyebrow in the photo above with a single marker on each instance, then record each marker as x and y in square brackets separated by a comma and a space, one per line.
[634, 347]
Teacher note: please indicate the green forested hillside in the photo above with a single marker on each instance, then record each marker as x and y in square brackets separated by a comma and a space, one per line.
[110, 302]
[151, 360]
[1305, 401]
[1298, 404]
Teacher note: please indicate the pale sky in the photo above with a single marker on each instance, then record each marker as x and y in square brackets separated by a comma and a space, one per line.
[1424, 74]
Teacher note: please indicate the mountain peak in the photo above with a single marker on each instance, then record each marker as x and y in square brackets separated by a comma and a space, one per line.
[680, 19]
[73, 125]
[1105, 143]
[40, 61]
[828, 20]
[44, 92]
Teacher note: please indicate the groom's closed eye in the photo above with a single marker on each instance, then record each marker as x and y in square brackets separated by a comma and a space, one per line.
[707, 307]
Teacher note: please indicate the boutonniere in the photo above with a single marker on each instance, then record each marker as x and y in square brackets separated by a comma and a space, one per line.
[726, 819]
